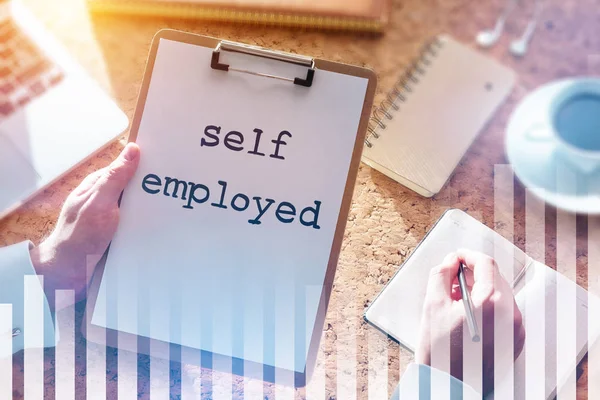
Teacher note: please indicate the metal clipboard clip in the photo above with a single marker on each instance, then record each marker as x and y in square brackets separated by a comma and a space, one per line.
[225, 45]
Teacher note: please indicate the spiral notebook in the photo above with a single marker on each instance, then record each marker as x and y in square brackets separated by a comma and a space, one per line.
[429, 119]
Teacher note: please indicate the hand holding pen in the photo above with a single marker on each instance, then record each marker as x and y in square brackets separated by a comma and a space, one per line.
[446, 315]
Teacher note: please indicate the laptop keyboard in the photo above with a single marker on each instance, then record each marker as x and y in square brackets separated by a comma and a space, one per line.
[25, 72]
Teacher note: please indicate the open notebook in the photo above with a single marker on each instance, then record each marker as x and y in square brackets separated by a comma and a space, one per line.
[430, 118]
[539, 291]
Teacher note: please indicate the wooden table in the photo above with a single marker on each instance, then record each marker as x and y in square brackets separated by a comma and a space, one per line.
[386, 220]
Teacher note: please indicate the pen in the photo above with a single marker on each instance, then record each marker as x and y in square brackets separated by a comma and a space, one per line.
[466, 296]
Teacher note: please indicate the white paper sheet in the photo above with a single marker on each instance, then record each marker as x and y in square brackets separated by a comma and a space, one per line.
[190, 275]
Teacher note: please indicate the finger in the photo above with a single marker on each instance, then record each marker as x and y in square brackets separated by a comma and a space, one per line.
[88, 182]
[456, 293]
[118, 174]
[442, 277]
[469, 277]
[519, 334]
[484, 267]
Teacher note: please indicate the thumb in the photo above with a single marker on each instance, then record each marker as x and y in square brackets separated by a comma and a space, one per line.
[118, 174]
[441, 278]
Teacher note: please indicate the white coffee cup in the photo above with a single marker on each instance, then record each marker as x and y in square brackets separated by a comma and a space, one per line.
[573, 124]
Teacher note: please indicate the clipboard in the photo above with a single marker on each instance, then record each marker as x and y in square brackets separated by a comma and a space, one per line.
[306, 72]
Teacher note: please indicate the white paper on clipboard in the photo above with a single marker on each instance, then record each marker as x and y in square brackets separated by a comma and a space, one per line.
[204, 277]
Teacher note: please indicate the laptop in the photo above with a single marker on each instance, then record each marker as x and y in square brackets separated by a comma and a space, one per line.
[52, 114]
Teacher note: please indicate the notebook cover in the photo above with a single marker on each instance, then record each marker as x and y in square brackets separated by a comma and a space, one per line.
[442, 103]
[359, 15]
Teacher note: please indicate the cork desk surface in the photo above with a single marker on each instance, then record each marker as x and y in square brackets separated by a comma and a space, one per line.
[386, 220]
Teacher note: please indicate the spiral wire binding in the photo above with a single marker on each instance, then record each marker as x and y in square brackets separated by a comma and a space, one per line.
[401, 90]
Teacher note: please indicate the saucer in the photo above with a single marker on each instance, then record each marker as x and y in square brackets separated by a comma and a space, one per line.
[542, 166]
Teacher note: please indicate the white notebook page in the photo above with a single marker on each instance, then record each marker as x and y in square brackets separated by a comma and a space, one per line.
[537, 295]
